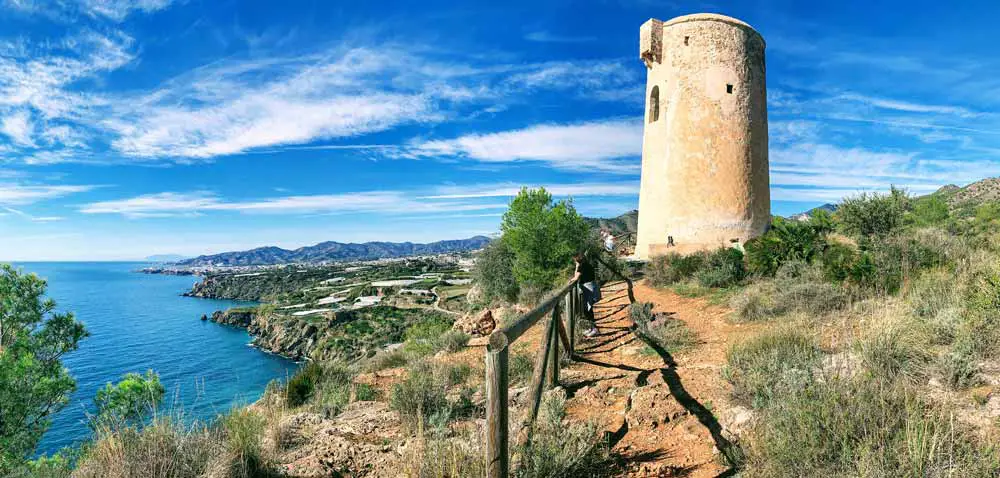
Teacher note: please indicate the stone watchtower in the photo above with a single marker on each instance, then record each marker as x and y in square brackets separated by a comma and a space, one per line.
[704, 147]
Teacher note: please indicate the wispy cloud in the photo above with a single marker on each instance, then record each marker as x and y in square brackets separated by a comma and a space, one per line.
[610, 146]
[115, 10]
[12, 194]
[543, 36]
[30, 217]
[185, 204]
[624, 188]
[477, 200]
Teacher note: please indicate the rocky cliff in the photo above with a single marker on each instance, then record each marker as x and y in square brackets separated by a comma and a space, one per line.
[348, 335]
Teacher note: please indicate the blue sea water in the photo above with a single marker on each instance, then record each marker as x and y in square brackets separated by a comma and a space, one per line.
[139, 322]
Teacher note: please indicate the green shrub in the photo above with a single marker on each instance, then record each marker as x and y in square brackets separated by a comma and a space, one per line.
[164, 447]
[929, 211]
[421, 395]
[494, 273]
[934, 300]
[724, 268]
[787, 240]
[365, 393]
[958, 365]
[332, 389]
[862, 427]
[302, 385]
[440, 456]
[423, 338]
[673, 267]
[838, 261]
[872, 215]
[797, 287]
[453, 341]
[129, 401]
[520, 368]
[394, 358]
[243, 433]
[560, 449]
[770, 365]
[895, 349]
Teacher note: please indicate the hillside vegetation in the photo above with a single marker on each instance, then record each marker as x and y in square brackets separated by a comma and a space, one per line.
[879, 354]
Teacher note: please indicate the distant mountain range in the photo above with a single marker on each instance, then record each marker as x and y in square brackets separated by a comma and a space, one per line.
[335, 252]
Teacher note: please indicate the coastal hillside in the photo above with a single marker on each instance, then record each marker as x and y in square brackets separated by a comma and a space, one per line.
[331, 251]
[623, 224]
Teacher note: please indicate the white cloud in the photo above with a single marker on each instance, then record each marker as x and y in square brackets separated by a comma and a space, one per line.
[625, 188]
[69, 10]
[611, 146]
[18, 127]
[180, 204]
[18, 194]
[906, 106]
[474, 200]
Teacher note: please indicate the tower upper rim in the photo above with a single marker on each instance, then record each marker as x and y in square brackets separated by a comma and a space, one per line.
[713, 17]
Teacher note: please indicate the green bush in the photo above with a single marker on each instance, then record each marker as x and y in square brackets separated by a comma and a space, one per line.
[929, 211]
[423, 394]
[165, 447]
[934, 300]
[866, 428]
[673, 267]
[129, 401]
[872, 215]
[520, 368]
[243, 433]
[560, 449]
[423, 338]
[797, 287]
[770, 365]
[302, 385]
[453, 341]
[895, 349]
[494, 273]
[838, 261]
[787, 240]
[332, 389]
[724, 268]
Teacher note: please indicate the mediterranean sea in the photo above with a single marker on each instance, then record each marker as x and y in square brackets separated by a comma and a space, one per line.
[140, 322]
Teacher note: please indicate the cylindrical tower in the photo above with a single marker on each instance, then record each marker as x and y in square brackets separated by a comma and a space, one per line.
[704, 147]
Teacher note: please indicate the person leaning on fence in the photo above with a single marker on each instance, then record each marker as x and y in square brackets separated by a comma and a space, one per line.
[609, 242]
[586, 280]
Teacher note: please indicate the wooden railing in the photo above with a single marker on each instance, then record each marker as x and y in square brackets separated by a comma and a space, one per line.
[624, 245]
[560, 309]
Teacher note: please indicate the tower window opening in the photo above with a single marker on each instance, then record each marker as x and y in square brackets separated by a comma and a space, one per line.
[729, 89]
[654, 104]
[686, 40]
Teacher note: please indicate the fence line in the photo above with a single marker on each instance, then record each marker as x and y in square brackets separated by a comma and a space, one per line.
[563, 305]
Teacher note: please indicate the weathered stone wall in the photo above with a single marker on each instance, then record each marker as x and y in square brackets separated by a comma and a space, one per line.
[704, 154]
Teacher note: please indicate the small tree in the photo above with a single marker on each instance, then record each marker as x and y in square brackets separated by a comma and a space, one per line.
[873, 215]
[543, 236]
[34, 385]
[129, 401]
[494, 273]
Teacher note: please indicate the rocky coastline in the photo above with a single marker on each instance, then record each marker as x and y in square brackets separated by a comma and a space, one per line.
[290, 338]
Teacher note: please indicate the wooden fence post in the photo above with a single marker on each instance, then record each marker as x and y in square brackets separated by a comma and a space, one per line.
[570, 330]
[497, 459]
[553, 375]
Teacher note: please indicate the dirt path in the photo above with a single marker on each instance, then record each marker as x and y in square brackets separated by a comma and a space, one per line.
[660, 411]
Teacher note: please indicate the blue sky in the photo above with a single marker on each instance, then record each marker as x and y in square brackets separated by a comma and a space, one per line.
[169, 126]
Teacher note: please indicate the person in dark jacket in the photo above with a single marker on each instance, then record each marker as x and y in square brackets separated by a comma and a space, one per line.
[586, 280]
